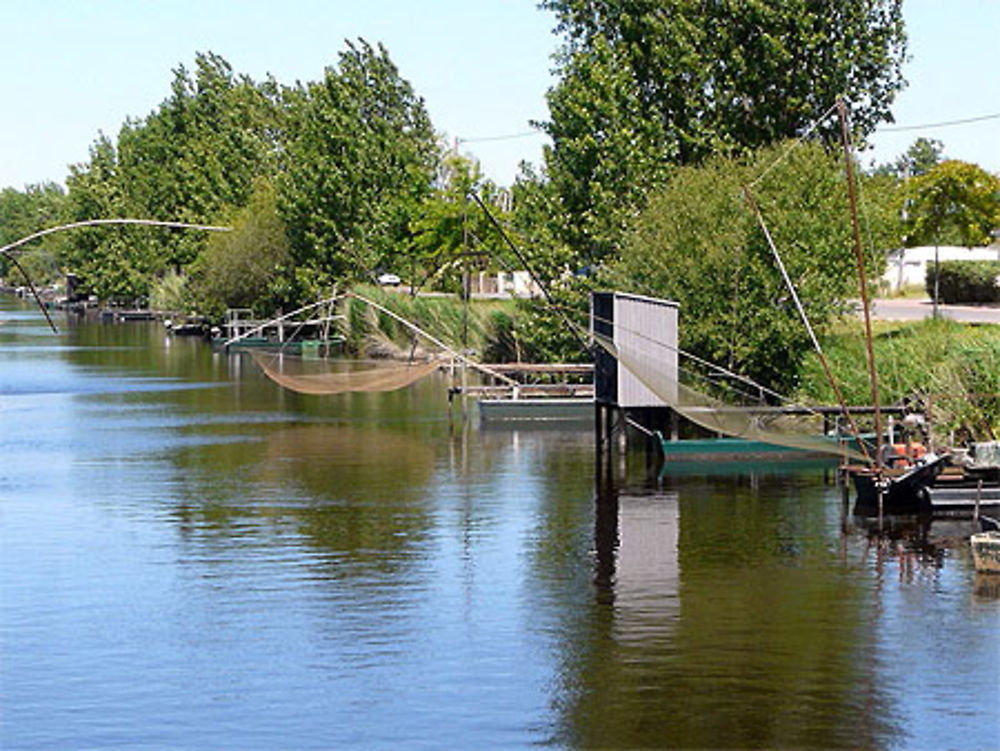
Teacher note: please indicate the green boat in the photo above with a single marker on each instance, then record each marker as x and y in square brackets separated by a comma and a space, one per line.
[730, 449]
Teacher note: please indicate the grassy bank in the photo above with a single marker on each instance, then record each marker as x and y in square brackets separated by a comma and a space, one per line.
[951, 368]
[479, 327]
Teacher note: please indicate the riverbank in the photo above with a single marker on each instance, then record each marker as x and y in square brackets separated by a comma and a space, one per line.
[942, 365]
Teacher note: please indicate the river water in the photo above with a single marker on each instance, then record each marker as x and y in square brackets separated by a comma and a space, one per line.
[191, 557]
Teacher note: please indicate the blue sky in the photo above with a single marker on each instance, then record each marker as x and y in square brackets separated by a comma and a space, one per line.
[73, 68]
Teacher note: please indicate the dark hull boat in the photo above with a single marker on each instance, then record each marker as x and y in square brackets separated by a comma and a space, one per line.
[903, 492]
[933, 487]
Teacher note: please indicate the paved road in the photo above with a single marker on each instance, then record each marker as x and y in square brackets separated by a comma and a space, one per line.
[914, 310]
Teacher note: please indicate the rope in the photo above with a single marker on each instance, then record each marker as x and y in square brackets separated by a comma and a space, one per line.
[805, 321]
[795, 144]
[704, 363]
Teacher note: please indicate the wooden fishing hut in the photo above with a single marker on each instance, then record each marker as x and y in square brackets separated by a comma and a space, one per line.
[646, 325]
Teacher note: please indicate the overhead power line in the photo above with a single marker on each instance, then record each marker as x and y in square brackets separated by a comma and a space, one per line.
[944, 124]
[509, 137]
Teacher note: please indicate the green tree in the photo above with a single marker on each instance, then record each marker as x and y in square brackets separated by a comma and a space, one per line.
[922, 155]
[539, 224]
[113, 263]
[451, 232]
[645, 84]
[953, 196]
[700, 244]
[244, 268]
[199, 151]
[360, 160]
[952, 202]
[608, 150]
[22, 213]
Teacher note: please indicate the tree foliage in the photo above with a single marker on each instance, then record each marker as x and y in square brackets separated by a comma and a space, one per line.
[351, 158]
[244, 268]
[699, 243]
[922, 155]
[646, 84]
[23, 213]
[953, 200]
[451, 233]
[199, 151]
[116, 265]
[360, 159]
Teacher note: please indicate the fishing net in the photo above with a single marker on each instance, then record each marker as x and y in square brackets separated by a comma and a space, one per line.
[755, 422]
[324, 377]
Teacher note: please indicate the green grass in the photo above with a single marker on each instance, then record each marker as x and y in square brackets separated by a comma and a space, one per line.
[443, 317]
[950, 368]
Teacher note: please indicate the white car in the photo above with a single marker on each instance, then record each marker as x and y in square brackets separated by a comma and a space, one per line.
[388, 280]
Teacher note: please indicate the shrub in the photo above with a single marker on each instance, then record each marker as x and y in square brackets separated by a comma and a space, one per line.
[170, 293]
[965, 281]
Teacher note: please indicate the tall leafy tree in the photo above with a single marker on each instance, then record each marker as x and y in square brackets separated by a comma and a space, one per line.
[199, 151]
[699, 243]
[115, 264]
[646, 84]
[451, 232]
[922, 155]
[23, 213]
[245, 267]
[953, 201]
[360, 159]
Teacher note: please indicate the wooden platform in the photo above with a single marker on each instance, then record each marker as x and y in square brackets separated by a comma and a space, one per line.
[530, 390]
[962, 501]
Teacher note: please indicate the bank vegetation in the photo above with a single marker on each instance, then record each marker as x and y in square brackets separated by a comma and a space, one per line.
[666, 128]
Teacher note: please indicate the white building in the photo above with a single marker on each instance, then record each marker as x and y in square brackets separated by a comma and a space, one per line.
[503, 284]
[907, 267]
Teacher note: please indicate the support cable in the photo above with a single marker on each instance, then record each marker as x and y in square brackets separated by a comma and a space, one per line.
[805, 320]
[413, 327]
[531, 272]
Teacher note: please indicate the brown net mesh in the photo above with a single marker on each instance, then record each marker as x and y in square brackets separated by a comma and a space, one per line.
[759, 422]
[323, 377]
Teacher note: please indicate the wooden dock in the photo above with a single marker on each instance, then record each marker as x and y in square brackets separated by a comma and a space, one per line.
[544, 391]
[241, 326]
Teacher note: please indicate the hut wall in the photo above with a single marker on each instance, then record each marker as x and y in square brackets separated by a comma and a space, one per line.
[643, 324]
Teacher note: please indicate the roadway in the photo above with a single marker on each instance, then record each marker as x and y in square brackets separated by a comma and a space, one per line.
[900, 309]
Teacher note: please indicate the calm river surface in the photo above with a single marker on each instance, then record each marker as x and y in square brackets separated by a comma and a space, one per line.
[191, 558]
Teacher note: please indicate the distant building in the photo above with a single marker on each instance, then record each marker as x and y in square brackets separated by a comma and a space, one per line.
[504, 284]
[907, 267]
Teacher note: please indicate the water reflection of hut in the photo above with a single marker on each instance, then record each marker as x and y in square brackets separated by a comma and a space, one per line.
[647, 575]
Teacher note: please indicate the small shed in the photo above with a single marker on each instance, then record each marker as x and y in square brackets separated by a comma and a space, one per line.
[645, 325]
